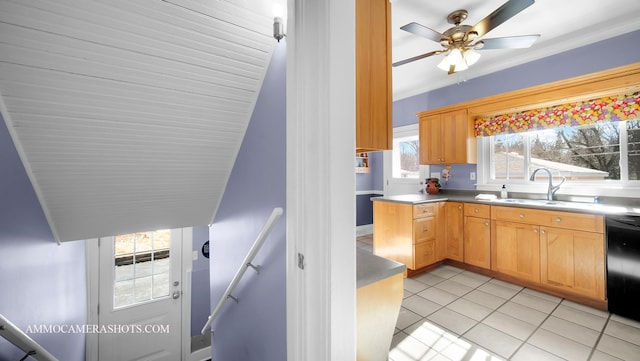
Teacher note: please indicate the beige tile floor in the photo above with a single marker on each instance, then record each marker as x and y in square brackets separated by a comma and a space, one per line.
[452, 314]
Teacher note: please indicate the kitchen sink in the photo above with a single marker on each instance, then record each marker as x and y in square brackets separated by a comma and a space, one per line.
[544, 203]
[548, 203]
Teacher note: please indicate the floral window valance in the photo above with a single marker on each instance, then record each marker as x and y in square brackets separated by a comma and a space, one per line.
[611, 108]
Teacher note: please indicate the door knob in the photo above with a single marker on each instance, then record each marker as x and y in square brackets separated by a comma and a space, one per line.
[176, 295]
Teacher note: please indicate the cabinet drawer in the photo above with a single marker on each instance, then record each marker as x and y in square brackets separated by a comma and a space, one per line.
[424, 229]
[575, 221]
[558, 219]
[424, 254]
[424, 210]
[477, 210]
[520, 215]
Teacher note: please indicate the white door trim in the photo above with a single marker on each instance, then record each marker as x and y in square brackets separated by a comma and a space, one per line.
[92, 264]
[321, 180]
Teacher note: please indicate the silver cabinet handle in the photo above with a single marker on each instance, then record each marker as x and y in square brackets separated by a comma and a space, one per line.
[535, 231]
[542, 231]
[176, 295]
[476, 210]
[558, 219]
[486, 224]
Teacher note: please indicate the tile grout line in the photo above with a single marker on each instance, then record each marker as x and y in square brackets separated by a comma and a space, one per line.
[496, 309]
[536, 329]
[595, 345]
[461, 336]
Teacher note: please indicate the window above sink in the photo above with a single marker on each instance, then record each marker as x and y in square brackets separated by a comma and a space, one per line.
[597, 159]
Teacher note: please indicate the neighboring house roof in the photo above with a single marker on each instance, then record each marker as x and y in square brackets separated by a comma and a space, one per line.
[515, 164]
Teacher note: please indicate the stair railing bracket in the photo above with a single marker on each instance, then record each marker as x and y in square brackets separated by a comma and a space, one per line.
[255, 268]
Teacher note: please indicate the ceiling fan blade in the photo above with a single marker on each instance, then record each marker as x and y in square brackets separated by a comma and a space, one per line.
[424, 31]
[418, 57]
[500, 15]
[510, 42]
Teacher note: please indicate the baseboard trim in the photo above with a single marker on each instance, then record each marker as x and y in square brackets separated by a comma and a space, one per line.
[364, 230]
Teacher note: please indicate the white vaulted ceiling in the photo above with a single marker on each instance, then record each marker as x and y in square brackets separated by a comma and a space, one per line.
[128, 115]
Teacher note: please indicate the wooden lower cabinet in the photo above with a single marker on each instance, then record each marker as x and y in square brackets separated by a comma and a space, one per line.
[453, 231]
[409, 234]
[573, 261]
[554, 250]
[516, 250]
[477, 242]
[562, 251]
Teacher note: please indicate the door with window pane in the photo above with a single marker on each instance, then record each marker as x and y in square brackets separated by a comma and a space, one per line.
[402, 170]
[140, 296]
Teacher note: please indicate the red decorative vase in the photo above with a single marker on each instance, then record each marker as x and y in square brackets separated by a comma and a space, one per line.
[433, 186]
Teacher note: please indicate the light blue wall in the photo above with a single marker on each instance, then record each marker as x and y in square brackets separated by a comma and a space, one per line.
[580, 61]
[459, 176]
[40, 282]
[255, 328]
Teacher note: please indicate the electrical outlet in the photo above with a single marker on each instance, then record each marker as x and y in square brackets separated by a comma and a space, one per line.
[472, 176]
[194, 256]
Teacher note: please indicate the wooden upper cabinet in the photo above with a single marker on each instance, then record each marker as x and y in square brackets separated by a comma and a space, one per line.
[373, 75]
[447, 138]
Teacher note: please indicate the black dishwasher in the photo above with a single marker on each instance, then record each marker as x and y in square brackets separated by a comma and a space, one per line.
[623, 265]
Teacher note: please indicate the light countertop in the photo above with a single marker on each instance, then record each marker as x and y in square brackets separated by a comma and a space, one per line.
[612, 206]
[371, 268]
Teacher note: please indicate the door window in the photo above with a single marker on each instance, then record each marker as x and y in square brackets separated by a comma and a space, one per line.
[141, 267]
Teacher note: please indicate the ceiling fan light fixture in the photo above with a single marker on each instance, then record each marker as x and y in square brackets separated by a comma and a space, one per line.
[455, 56]
[470, 56]
[461, 66]
[444, 64]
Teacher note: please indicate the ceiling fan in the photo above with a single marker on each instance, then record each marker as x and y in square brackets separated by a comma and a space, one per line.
[461, 41]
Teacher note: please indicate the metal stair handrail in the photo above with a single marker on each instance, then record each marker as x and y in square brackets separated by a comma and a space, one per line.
[16, 336]
[246, 263]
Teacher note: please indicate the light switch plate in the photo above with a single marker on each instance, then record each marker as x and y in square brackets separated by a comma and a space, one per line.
[435, 175]
[472, 176]
[194, 256]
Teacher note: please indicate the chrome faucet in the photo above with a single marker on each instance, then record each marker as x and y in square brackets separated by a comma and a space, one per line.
[551, 190]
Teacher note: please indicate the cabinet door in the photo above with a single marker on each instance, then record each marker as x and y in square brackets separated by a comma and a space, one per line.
[453, 139]
[573, 261]
[517, 250]
[430, 135]
[373, 75]
[453, 223]
[477, 242]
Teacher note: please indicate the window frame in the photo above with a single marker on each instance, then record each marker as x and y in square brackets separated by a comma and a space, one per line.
[613, 188]
[394, 185]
